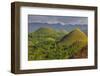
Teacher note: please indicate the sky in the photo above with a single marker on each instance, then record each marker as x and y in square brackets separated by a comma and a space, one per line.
[63, 20]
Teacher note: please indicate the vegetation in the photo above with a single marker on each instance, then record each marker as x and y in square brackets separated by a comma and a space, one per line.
[47, 44]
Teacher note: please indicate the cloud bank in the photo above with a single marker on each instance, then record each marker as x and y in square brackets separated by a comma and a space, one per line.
[63, 20]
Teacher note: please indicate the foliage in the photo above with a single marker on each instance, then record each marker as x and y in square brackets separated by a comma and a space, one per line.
[46, 44]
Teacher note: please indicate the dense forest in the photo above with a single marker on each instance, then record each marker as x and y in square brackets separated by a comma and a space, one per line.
[47, 43]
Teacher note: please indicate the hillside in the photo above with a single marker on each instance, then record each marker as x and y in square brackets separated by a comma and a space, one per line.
[46, 32]
[73, 42]
[46, 43]
[75, 35]
[81, 54]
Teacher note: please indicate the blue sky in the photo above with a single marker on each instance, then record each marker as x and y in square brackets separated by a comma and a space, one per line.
[57, 19]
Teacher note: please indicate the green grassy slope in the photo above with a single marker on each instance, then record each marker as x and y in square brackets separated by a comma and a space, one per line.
[75, 35]
[73, 42]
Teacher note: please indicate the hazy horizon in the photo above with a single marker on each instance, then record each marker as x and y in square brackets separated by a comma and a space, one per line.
[56, 22]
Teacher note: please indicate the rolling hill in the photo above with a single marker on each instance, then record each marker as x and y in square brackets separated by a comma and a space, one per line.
[73, 36]
[47, 32]
[73, 42]
[47, 43]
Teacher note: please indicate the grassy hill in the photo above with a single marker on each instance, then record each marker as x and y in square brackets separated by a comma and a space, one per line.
[45, 33]
[46, 43]
[73, 36]
[73, 42]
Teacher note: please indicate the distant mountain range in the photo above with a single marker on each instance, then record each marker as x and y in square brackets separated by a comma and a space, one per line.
[68, 27]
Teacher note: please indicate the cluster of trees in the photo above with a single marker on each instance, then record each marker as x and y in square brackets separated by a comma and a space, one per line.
[45, 46]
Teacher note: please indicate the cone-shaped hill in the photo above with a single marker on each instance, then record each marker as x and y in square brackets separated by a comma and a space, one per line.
[75, 35]
[44, 32]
